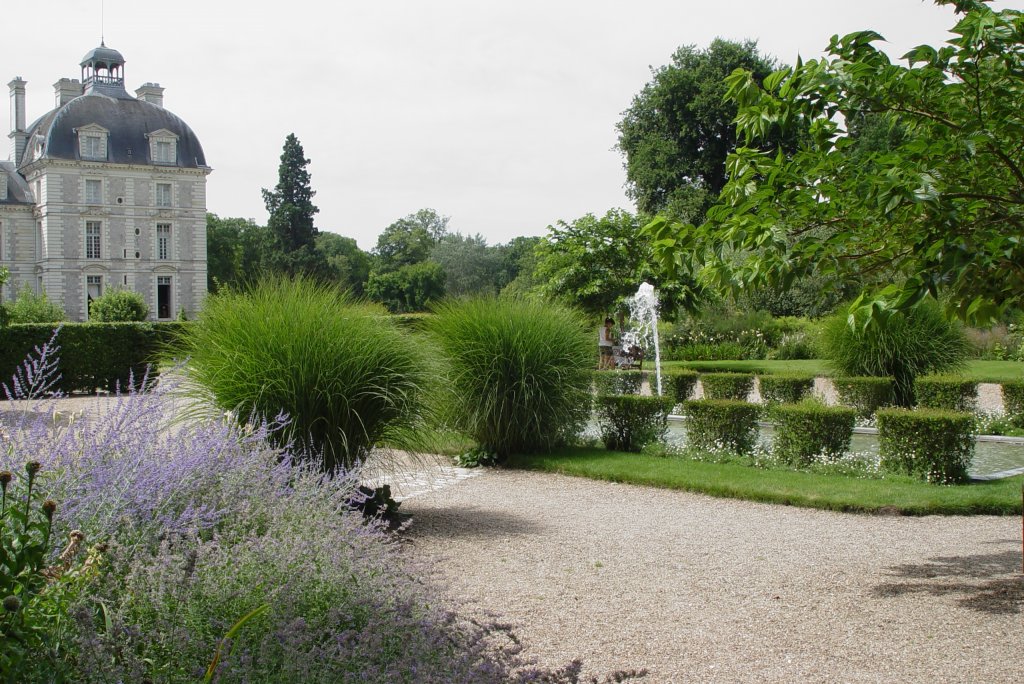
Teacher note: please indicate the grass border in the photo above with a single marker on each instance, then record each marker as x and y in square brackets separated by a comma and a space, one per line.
[888, 496]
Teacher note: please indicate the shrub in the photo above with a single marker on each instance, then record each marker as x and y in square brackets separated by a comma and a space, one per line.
[1013, 401]
[727, 385]
[953, 393]
[785, 389]
[29, 307]
[903, 346]
[793, 346]
[207, 524]
[679, 383]
[518, 374]
[118, 306]
[618, 381]
[713, 424]
[628, 423]
[931, 444]
[808, 430]
[344, 374]
[92, 355]
[705, 351]
[865, 394]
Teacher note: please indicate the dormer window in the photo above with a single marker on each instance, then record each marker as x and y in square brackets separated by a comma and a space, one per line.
[3, 187]
[163, 147]
[92, 142]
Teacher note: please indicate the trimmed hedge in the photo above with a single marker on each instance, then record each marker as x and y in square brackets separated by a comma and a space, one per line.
[92, 355]
[950, 392]
[679, 384]
[629, 422]
[1013, 402]
[865, 394]
[932, 444]
[713, 424]
[618, 381]
[727, 385]
[785, 389]
[806, 430]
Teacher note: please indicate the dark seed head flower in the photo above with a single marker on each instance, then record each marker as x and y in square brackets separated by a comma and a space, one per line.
[49, 506]
[32, 467]
[12, 604]
[5, 478]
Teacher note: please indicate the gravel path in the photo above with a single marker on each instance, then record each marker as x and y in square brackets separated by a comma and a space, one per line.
[698, 589]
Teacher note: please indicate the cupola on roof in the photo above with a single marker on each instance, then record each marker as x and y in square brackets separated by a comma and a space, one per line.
[128, 122]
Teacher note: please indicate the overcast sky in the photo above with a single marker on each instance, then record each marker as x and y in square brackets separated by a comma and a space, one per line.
[501, 116]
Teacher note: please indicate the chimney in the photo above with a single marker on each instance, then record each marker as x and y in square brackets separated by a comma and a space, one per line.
[18, 136]
[151, 93]
[65, 90]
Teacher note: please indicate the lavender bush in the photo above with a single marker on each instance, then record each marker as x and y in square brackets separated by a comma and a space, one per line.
[204, 524]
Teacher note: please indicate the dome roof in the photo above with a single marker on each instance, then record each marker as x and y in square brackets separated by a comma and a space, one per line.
[103, 55]
[129, 122]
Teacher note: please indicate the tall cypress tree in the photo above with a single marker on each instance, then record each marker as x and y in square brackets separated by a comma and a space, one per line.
[291, 209]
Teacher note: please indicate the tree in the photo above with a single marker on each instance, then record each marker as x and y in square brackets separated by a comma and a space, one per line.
[409, 240]
[470, 266]
[678, 131]
[291, 209]
[937, 209]
[596, 263]
[349, 265]
[410, 288]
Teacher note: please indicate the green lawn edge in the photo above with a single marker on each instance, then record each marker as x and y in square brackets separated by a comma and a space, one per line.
[892, 496]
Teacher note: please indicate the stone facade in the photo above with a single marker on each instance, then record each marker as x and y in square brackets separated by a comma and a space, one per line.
[104, 191]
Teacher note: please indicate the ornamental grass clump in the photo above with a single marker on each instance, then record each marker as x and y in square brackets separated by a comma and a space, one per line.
[932, 444]
[630, 422]
[902, 346]
[517, 372]
[345, 375]
[809, 431]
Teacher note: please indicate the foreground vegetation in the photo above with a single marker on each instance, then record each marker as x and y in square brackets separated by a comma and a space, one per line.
[891, 495]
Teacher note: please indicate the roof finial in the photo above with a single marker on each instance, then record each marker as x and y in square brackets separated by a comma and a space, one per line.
[102, 21]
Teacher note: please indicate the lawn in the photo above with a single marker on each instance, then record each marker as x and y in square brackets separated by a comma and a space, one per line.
[892, 495]
[982, 371]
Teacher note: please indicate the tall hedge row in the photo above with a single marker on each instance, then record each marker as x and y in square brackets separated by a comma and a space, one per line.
[91, 355]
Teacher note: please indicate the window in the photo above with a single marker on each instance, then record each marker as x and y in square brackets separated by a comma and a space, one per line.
[163, 241]
[163, 194]
[164, 152]
[163, 147]
[93, 191]
[93, 232]
[93, 147]
[3, 186]
[93, 289]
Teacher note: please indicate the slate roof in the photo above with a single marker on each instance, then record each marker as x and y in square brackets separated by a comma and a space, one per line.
[128, 120]
[17, 189]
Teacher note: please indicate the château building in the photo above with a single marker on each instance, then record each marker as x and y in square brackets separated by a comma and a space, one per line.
[105, 190]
